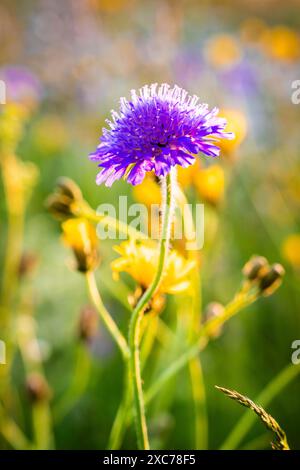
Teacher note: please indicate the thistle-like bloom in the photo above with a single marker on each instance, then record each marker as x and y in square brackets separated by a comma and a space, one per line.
[159, 128]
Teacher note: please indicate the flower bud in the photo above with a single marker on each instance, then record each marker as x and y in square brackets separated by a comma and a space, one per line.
[27, 264]
[255, 268]
[155, 305]
[270, 282]
[69, 188]
[37, 388]
[80, 235]
[62, 202]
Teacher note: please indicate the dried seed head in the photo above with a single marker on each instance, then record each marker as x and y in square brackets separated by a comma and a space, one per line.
[280, 442]
[255, 268]
[88, 323]
[270, 282]
[37, 388]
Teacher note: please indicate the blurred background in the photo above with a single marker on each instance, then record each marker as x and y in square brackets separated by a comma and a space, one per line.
[68, 63]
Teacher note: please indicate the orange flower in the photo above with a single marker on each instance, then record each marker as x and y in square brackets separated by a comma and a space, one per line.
[209, 183]
[185, 176]
[223, 51]
[282, 43]
[148, 192]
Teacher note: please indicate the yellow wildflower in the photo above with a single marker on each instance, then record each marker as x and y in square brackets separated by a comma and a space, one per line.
[19, 179]
[291, 249]
[209, 183]
[236, 123]
[282, 43]
[140, 259]
[148, 192]
[223, 51]
[185, 175]
[108, 6]
[80, 235]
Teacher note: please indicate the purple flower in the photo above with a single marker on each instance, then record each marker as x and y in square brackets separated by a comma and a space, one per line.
[22, 84]
[159, 128]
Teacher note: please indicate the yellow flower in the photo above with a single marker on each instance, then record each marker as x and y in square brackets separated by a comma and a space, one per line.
[185, 175]
[140, 259]
[108, 6]
[19, 179]
[291, 249]
[80, 235]
[223, 51]
[209, 183]
[282, 43]
[148, 192]
[236, 123]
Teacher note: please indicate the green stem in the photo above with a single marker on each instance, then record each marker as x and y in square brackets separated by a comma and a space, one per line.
[264, 399]
[168, 189]
[120, 423]
[42, 426]
[105, 315]
[84, 210]
[41, 414]
[195, 366]
[11, 264]
[199, 397]
[12, 433]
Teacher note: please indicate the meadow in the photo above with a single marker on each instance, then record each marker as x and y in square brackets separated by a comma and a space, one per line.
[119, 343]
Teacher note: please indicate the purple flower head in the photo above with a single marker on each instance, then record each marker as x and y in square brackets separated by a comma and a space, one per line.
[159, 128]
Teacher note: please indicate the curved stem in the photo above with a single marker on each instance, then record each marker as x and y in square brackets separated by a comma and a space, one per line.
[12, 433]
[84, 210]
[264, 398]
[105, 315]
[168, 189]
